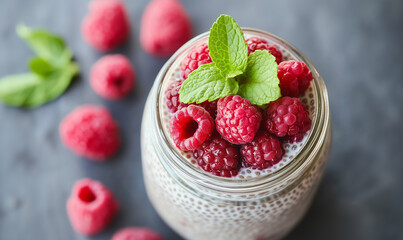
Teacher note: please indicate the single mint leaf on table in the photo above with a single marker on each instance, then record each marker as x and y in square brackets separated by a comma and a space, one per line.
[260, 82]
[46, 45]
[206, 83]
[31, 90]
[227, 46]
[40, 66]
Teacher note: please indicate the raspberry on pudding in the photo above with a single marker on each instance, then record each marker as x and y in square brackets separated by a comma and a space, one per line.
[172, 97]
[190, 127]
[263, 152]
[237, 120]
[197, 57]
[294, 77]
[218, 157]
[255, 43]
[287, 117]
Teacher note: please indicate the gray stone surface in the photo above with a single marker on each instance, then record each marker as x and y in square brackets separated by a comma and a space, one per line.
[357, 47]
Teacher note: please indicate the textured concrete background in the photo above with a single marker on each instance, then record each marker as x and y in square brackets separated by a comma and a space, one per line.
[357, 47]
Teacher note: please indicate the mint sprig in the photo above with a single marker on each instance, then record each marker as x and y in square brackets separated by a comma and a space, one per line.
[51, 71]
[232, 71]
[208, 83]
[260, 82]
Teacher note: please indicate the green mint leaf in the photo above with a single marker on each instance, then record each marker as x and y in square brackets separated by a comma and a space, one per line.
[227, 46]
[260, 82]
[40, 66]
[14, 89]
[46, 45]
[31, 90]
[206, 83]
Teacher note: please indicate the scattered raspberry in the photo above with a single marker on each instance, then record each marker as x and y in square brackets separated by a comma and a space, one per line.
[112, 76]
[133, 233]
[107, 24]
[287, 117]
[165, 26]
[294, 77]
[190, 127]
[91, 132]
[173, 103]
[263, 152]
[91, 207]
[172, 97]
[255, 43]
[218, 156]
[197, 57]
[237, 120]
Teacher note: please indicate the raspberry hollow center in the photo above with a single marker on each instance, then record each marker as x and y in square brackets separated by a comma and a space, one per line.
[189, 128]
[86, 195]
[118, 82]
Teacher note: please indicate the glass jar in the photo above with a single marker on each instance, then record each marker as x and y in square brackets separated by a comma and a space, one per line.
[202, 206]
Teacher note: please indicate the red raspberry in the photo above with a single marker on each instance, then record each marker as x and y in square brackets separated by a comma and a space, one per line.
[91, 132]
[211, 107]
[255, 43]
[173, 103]
[190, 127]
[263, 152]
[133, 233]
[197, 57]
[91, 207]
[107, 25]
[237, 120]
[287, 117]
[172, 97]
[112, 76]
[218, 156]
[165, 26]
[294, 77]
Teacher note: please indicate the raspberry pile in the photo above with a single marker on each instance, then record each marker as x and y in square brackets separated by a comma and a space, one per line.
[230, 133]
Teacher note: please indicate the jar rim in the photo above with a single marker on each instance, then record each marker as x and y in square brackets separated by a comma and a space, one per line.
[179, 166]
